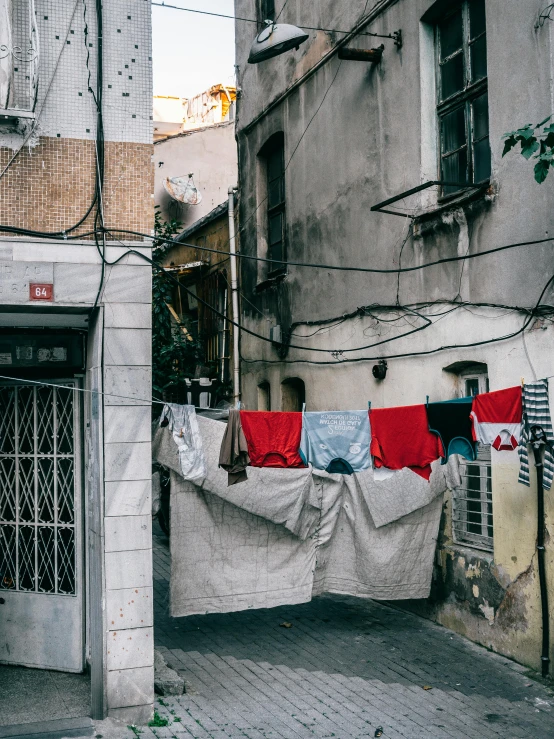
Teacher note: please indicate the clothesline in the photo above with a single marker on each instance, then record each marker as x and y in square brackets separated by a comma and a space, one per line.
[390, 439]
[153, 400]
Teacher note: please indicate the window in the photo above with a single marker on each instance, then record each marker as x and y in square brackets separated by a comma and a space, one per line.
[264, 396]
[18, 57]
[266, 11]
[273, 157]
[472, 519]
[293, 394]
[463, 107]
[214, 329]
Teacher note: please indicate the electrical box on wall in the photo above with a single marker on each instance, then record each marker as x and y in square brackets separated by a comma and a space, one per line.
[44, 350]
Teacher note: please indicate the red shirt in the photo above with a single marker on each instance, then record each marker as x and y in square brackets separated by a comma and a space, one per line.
[273, 438]
[400, 437]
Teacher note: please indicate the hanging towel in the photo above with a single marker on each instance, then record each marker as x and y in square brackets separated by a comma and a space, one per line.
[233, 456]
[273, 439]
[451, 421]
[496, 418]
[536, 412]
[182, 423]
[336, 441]
[401, 438]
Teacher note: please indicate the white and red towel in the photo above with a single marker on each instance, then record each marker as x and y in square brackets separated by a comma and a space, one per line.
[497, 417]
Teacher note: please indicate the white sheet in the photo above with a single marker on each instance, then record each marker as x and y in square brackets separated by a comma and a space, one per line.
[286, 535]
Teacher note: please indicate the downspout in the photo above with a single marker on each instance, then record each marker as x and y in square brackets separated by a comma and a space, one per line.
[234, 298]
[538, 442]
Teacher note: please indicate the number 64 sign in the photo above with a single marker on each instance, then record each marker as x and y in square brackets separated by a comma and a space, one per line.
[40, 291]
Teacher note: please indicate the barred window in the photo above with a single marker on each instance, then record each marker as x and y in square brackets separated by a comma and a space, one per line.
[472, 515]
[463, 108]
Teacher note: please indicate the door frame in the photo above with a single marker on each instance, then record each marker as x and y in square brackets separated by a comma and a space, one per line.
[79, 510]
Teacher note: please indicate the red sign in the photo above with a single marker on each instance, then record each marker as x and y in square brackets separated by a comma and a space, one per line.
[38, 291]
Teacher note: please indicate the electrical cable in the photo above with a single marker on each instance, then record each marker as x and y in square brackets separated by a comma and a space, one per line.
[428, 322]
[339, 268]
[415, 354]
[155, 264]
[251, 20]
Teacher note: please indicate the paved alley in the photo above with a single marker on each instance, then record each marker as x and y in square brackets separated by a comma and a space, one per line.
[343, 668]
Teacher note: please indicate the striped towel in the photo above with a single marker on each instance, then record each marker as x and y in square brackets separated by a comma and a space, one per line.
[536, 412]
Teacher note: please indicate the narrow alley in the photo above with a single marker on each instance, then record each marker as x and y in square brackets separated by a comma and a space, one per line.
[336, 667]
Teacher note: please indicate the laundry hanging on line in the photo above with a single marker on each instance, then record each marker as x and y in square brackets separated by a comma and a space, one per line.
[496, 418]
[287, 535]
[536, 412]
[451, 421]
[336, 441]
[385, 439]
[182, 423]
[401, 438]
[273, 439]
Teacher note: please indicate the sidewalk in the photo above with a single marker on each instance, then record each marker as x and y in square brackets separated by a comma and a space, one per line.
[342, 669]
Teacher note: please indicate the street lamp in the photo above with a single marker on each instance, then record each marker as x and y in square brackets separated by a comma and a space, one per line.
[275, 39]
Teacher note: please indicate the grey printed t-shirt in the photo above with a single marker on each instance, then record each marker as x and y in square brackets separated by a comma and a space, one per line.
[336, 441]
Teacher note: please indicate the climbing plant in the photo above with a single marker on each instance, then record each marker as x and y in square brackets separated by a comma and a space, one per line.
[536, 144]
[174, 355]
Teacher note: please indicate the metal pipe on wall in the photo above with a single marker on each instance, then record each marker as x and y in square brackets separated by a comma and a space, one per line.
[538, 442]
[234, 297]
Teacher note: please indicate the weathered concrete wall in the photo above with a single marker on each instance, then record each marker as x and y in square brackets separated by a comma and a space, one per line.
[355, 135]
[211, 155]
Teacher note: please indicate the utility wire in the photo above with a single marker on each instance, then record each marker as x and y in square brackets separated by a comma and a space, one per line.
[414, 354]
[251, 20]
[82, 390]
[371, 270]
[339, 352]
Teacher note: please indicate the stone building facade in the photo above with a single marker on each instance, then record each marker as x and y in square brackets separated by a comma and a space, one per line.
[75, 336]
[322, 140]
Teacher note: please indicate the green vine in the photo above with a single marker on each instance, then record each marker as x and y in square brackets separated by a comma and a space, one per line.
[535, 144]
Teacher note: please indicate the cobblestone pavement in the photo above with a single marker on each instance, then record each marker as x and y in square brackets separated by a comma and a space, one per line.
[344, 668]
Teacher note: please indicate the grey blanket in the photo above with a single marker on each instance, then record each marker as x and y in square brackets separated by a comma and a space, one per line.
[287, 535]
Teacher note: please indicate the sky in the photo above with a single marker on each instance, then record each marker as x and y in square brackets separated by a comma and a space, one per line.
[192, 52]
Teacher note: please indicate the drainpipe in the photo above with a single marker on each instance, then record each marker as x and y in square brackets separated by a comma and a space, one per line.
[538, 442]
[234, 298]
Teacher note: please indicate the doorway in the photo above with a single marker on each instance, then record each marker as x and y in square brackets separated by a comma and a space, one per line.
[41, 554]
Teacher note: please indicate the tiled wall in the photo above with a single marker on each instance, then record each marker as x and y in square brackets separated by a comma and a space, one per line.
[49, 182]
[50, 187]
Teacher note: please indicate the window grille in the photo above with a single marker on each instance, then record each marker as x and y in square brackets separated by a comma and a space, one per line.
[37, 489]
[472, 514]
[463, 109]
[214, 329]
[19, 56]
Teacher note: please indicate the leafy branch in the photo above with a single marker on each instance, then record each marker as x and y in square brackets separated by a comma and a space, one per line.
[535, 144]
[174, 355]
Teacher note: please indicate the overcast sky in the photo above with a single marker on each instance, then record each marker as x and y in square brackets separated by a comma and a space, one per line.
[191, 52]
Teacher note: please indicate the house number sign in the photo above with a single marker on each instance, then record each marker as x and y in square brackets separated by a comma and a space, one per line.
[41, 291]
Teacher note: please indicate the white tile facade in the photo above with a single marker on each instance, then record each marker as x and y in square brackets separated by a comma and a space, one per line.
[117, 437]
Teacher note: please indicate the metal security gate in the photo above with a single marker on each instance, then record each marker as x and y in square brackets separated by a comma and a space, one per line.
[41, 584]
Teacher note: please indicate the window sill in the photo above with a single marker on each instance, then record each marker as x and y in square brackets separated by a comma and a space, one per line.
[271, 281]
[14, 113]
[486, 193]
